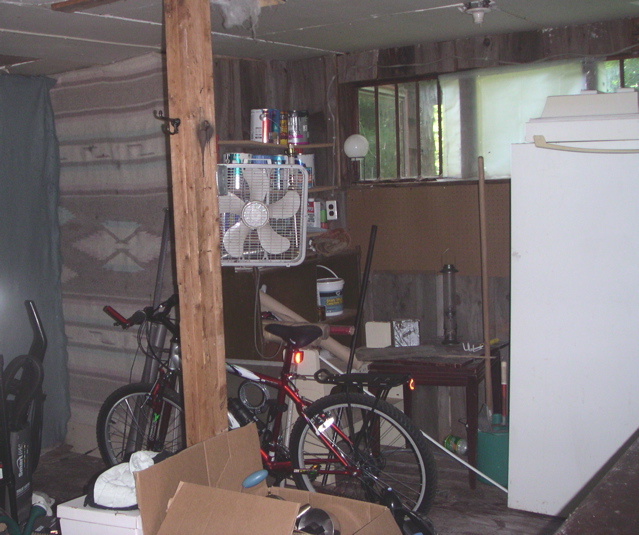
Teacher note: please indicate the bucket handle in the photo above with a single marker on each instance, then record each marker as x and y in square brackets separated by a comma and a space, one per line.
[329, 270]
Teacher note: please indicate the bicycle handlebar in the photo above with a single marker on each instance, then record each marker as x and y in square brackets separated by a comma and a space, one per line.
[136, 319]
[160, 314]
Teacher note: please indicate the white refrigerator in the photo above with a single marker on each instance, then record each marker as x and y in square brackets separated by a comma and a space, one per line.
[575, 297]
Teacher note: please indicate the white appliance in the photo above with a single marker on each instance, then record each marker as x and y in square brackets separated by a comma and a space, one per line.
[575, 297]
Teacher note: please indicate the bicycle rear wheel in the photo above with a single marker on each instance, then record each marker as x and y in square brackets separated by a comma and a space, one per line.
[131, 420]
[382, 448]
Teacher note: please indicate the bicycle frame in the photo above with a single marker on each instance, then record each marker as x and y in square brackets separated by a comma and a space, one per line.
[284, 385]
[286, 388]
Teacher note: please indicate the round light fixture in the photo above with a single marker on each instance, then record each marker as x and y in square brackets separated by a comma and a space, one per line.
[356, 146]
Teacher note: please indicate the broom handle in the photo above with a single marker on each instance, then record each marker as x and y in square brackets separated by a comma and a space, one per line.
[362, 298]
[484, 284]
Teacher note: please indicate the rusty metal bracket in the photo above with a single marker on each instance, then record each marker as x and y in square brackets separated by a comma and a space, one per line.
[171, 125]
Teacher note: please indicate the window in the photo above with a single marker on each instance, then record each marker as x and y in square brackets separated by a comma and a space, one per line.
[617, 73]
[402, 124]
[437, 128]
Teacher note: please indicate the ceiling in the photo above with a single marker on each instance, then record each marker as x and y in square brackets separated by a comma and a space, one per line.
[37, 40]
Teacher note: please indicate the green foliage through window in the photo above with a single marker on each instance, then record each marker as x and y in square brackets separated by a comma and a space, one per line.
[616, 73]
[401, 122]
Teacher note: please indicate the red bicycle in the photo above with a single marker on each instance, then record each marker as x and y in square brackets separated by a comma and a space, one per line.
[350, 443]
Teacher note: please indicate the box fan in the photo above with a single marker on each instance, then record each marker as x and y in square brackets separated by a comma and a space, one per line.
[262, 214]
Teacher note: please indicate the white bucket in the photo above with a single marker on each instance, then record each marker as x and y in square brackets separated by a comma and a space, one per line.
[330, 294]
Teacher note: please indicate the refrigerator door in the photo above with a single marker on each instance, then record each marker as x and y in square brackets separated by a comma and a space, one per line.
[574, 320]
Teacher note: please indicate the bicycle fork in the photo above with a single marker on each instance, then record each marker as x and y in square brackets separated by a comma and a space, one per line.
[160, 410]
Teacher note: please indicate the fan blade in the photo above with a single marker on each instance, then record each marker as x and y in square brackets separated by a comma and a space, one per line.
[230, 204]
[258, 182]
[234, 237]
[271, 241]
[287, 206]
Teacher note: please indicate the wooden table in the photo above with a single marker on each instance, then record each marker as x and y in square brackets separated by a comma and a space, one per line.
[439, 365]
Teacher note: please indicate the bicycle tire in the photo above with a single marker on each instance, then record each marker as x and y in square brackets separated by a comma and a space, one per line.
[382, 459]
[127, 411]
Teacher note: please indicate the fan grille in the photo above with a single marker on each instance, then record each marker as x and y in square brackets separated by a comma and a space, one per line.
[262, 214]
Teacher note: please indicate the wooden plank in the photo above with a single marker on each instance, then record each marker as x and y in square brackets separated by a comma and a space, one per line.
[195, 215]
[69, 6]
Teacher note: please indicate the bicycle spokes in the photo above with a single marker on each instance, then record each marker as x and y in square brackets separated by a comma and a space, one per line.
[362, 453]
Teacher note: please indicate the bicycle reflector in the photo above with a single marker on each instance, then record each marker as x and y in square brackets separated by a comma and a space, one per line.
[411, 384]
[298, 357]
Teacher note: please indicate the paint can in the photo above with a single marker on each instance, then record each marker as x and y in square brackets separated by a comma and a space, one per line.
[260, 159]
[278, 177]
[260, 125]
[235, 157]
[298, 127]
[308, 161]
[330, 293]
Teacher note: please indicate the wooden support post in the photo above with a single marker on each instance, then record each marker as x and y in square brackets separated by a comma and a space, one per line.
[189, 59]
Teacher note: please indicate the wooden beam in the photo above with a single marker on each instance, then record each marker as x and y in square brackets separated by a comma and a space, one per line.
[69, 6]
[189, 59]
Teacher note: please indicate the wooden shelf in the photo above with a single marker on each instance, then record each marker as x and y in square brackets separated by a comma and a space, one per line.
[251, 144]
[319, 189]
[271, 146]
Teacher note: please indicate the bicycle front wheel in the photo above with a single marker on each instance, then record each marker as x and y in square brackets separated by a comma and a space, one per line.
[359, 447]
[132, 420]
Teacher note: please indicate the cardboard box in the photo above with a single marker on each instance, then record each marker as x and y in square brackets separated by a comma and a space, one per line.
[76, 519]
[199, 490]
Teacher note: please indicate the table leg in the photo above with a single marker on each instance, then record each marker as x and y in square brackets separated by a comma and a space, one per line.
[408, 400]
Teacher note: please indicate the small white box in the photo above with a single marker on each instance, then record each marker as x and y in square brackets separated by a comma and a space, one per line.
[76, 519]
[378, 334]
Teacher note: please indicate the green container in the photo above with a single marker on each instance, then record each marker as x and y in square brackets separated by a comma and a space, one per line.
[492, 454]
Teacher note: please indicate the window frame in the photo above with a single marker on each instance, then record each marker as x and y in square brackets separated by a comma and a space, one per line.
[352, 91]
[622, 71]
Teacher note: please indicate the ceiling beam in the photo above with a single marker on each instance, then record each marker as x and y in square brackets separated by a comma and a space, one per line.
[69, 6]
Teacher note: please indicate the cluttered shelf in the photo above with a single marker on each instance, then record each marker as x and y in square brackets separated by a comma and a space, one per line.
[272, 146]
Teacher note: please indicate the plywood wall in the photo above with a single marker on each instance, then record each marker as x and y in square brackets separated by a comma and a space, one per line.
[417, 224]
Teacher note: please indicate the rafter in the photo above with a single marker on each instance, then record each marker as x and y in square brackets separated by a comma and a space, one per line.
[69, 6]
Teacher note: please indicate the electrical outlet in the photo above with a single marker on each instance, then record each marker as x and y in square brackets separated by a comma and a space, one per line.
[331, 210]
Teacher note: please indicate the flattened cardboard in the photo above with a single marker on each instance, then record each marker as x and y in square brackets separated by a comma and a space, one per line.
[223, 461]
[200, 509]
[212, 473]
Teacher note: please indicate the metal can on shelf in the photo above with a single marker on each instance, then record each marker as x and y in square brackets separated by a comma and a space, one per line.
[259, 125]
[298, 127]
[283, 128]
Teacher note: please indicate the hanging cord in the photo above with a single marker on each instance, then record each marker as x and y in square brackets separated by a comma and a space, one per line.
[258, 336]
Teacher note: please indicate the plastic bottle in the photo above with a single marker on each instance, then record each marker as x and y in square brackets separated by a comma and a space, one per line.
[456, 444]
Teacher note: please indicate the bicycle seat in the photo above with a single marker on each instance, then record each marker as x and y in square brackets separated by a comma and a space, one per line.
[295, 336]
